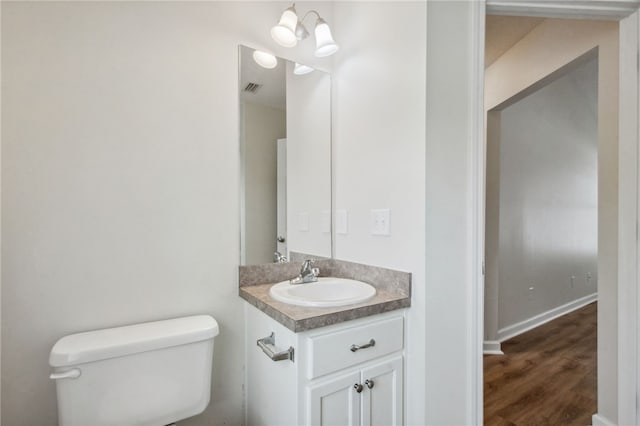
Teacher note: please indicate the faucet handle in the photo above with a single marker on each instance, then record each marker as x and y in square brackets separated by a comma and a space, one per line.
[279, 257]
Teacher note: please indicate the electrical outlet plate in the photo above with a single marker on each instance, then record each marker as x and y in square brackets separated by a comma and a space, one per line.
[380, 221]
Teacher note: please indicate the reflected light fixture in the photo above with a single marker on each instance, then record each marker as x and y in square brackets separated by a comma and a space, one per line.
[290, 29]
[264, 59]
[301, 69]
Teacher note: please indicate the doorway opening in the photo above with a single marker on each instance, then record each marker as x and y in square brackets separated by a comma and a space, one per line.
[543, 140]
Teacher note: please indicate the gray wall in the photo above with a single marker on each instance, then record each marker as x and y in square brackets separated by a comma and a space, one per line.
[548, 228]
[263, 126]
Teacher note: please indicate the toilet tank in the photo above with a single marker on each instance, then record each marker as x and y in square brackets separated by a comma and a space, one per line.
[149, 374]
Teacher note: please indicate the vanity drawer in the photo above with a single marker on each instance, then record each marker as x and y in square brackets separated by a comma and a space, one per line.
[333, 351]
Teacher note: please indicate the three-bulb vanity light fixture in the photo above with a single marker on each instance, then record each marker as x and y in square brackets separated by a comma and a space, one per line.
[289, 31]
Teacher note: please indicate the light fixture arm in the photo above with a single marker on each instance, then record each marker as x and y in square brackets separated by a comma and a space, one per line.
[293, 6]
[301, 30]
[307, 14]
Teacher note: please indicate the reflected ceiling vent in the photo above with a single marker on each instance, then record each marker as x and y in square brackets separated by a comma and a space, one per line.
[252, 87]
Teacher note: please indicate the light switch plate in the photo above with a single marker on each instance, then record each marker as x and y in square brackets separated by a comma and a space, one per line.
[380, 222]
[303, 221]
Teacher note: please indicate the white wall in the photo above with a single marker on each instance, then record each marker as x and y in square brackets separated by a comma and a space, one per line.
[548, 197]
[120, 179]
[379, 133]
[263, 126]
[522, 67]
[451, 355]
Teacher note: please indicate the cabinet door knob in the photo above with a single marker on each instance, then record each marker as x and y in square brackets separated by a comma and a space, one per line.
[369, 383]
[358, 387]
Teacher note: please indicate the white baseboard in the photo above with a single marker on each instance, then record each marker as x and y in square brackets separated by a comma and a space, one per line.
[598, 420]
[536, 321]
[492, 347]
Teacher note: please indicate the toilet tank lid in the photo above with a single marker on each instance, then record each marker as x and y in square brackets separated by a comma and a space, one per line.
[120, 341]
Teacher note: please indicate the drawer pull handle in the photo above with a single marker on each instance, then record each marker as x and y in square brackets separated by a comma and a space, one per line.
[355, 348]
[358, 387]
[369, 383]
[266, 344]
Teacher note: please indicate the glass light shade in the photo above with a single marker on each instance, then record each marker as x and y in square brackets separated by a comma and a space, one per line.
[301, 69]
[285, 32]
[264, 59]
[325, 45]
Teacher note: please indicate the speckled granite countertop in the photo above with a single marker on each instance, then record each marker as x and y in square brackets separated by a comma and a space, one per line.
[393, 291]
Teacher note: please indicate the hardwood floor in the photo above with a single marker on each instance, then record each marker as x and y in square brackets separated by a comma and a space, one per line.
[547, 375]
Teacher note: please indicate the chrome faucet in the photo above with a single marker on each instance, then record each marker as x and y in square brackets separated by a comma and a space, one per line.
[307, 274]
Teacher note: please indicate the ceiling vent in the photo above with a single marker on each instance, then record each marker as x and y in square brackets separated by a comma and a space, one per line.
[252, 87]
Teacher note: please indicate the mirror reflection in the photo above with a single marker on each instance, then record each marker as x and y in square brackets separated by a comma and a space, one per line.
[285, 141]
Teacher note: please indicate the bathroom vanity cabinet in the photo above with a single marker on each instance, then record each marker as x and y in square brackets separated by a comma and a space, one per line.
[338, 376]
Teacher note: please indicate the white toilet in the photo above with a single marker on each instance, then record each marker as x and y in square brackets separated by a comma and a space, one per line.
[149, 374]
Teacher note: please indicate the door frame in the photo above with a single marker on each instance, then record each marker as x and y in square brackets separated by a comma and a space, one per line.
[626, 12]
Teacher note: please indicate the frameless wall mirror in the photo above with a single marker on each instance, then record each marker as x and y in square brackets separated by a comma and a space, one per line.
[285, 142]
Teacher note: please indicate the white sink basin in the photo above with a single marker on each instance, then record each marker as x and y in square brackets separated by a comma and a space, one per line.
[327, 292]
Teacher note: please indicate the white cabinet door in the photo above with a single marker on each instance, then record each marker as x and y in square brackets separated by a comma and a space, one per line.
[382, 394]
[334, 402]
[271, 387]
